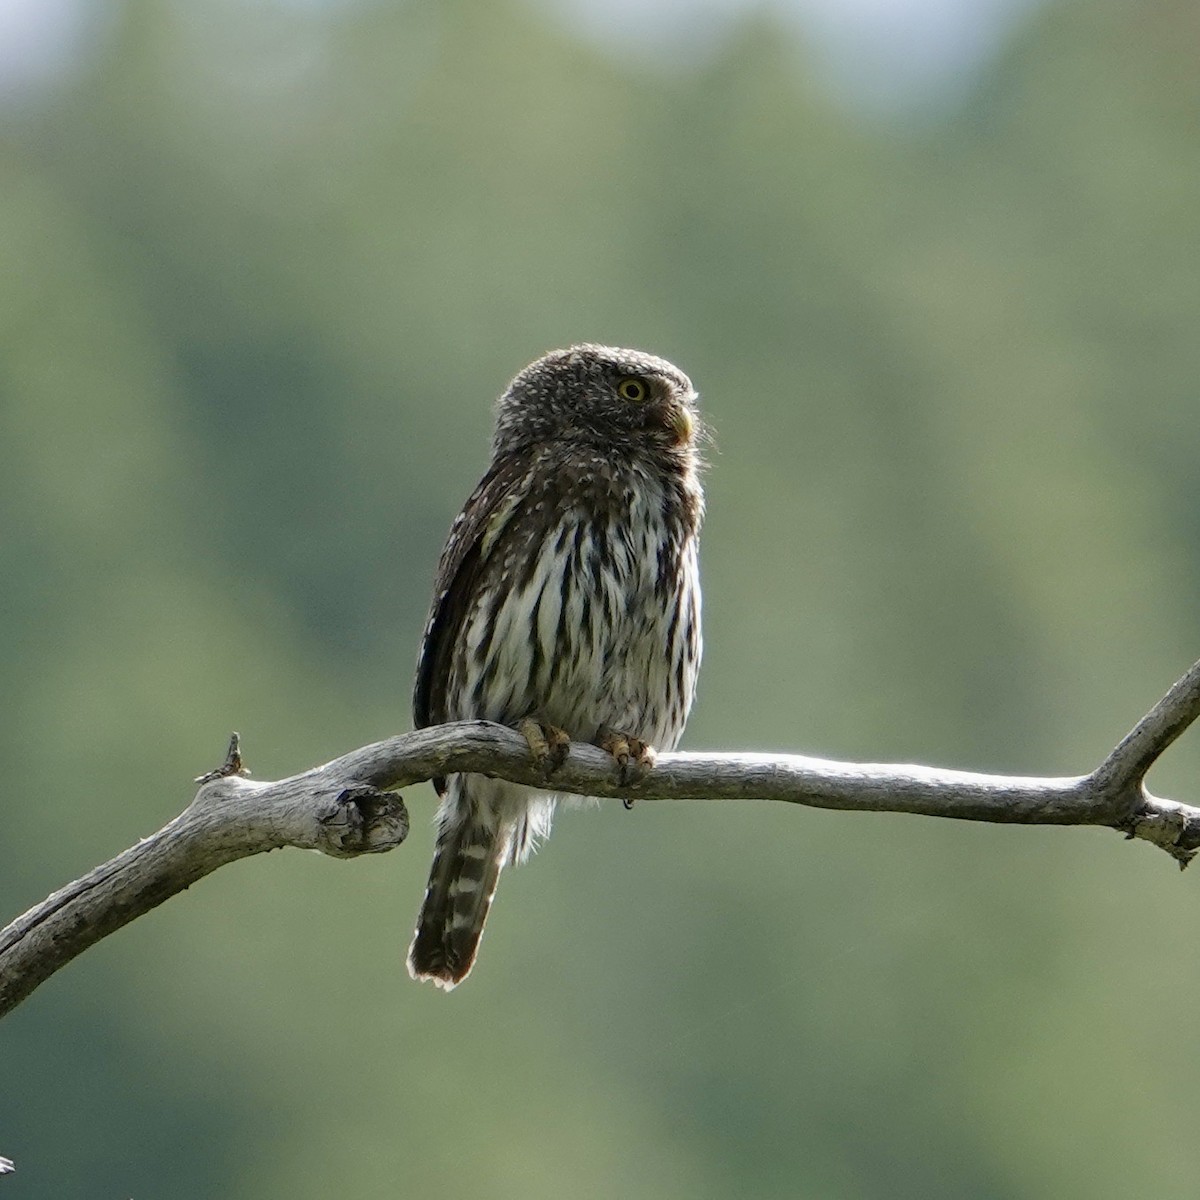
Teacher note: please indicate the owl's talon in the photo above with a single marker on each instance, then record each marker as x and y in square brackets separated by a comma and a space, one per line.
[634, 757]
[548, 745]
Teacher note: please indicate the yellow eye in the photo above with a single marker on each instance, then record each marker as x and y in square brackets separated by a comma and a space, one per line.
[632, 388]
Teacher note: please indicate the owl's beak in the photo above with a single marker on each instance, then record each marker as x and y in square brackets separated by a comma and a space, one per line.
[680, 420]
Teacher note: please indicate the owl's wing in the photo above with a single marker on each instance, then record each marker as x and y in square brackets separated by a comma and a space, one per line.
[473, 536]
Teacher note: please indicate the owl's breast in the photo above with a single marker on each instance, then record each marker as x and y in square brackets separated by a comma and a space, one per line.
[594, 621]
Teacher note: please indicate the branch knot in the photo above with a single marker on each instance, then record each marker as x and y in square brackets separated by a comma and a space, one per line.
[362, 820]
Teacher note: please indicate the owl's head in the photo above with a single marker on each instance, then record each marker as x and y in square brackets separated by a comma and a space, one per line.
[599, 395]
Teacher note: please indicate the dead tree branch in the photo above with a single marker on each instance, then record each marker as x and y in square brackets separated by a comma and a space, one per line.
[349, 807]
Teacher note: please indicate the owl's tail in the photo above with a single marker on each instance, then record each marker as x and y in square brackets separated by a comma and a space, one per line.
[462, 882]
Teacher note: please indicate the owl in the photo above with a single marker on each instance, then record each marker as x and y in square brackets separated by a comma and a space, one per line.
[566, 604]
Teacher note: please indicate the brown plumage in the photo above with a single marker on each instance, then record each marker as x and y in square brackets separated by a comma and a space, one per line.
[568, 594]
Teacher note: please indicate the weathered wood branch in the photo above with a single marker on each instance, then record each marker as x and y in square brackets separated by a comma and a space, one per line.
[349, 807]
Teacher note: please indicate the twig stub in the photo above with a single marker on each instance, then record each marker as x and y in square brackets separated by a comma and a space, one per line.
[232, 765]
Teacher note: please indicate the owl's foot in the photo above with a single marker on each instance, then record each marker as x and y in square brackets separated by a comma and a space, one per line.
[548, 745]
[634, 757]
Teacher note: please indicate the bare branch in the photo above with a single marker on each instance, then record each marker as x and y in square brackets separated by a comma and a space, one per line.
[348, 807]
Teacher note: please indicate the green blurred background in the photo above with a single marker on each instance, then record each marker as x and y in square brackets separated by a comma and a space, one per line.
[263, 267]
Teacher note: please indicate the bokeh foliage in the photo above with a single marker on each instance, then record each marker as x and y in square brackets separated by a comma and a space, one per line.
[261, 270]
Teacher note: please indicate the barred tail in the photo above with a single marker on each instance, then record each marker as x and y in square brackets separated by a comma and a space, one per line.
[462, 882]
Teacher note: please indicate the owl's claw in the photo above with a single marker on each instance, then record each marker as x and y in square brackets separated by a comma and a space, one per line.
[548, 745]
[634, 757]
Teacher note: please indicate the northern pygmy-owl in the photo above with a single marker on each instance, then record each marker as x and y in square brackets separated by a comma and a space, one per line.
[567, 603]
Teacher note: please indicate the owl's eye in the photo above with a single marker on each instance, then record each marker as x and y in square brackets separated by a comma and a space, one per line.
[632, 388]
